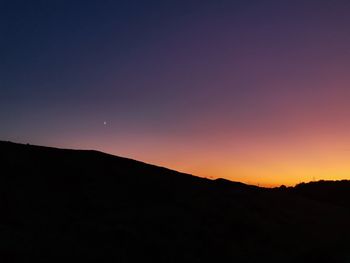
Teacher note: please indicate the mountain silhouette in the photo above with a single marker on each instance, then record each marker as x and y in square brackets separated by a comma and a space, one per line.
[88, 206]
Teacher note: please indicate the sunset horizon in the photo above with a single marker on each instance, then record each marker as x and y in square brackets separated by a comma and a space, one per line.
[250, 91]
[223, 174]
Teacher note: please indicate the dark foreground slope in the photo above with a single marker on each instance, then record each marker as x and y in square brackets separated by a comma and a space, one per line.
[87, 206]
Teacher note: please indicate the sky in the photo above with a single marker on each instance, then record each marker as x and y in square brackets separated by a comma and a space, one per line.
[253, 91]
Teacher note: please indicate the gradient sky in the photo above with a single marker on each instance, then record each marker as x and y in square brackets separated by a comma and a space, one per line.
[253, 91]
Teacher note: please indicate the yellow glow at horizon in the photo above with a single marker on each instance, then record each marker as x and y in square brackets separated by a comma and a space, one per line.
[260, 161]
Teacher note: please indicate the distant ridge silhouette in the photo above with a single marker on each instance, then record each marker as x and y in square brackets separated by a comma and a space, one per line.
[88, 206]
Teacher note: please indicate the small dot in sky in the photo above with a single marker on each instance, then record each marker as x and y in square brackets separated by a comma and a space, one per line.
[104, 123]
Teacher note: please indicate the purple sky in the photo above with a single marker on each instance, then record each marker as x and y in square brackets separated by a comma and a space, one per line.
[255, 91]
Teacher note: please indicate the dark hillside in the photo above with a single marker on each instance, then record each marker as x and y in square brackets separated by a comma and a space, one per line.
[89, 206]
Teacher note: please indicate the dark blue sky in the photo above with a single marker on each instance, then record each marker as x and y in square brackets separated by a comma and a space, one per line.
[201, 86]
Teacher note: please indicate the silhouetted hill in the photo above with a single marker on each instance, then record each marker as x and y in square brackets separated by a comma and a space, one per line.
[334, 192]
[87, 206]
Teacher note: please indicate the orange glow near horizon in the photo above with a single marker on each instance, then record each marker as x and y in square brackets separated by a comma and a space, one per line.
[297, 139]
[266, 161]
